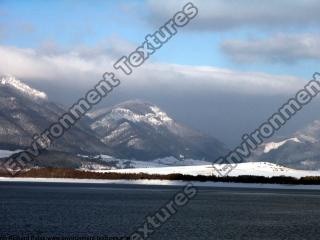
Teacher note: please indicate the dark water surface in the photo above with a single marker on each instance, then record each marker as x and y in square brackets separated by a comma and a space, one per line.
[58, 209]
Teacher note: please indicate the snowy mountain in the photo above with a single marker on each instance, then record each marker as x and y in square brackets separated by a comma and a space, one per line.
[25, 111]
[134, 133]
[301, 151]
[130, 130]
[142, 131]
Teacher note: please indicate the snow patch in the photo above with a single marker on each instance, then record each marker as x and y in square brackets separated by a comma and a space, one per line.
[155, 118]
[275, 145]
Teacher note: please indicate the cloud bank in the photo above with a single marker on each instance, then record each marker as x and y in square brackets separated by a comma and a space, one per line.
[84, 67]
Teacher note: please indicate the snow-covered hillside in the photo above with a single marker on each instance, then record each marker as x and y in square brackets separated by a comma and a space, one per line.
[24, 89]
[253, 168]
[24, 112]
[140, 130]
[155, 117]
[301, 150]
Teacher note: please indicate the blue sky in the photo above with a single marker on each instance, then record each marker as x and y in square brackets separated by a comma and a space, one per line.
[66, 22]
[33, 24]
[242, 53]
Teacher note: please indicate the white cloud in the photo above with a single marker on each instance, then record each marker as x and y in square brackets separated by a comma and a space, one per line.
[32, 64]
[85, 67]
[224, 15]
[278, 48]
[51, 61]
[207, 78]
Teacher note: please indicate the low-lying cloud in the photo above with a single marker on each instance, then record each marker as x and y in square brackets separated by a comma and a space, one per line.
[84, 67]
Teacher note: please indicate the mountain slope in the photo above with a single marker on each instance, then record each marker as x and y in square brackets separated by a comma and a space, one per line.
[301, 151]
[142, 131]
[130, 130]
[25, 111]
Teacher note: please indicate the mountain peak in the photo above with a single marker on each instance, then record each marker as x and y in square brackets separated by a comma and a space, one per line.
[146, 109]
[12, 82]
[141, 130]
[133, 111]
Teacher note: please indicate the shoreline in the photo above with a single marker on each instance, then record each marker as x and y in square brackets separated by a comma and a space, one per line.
[161, 183]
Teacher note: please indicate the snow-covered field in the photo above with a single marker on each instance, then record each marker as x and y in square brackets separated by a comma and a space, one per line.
[252, 168]
[171, 165]
[115, 163]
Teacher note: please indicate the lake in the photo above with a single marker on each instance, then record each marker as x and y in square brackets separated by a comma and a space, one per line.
[114, 210]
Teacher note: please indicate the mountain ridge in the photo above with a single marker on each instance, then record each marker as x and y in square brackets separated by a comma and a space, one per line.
[134, 129]
[145, 131]
[25, 111]
[300, 150]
